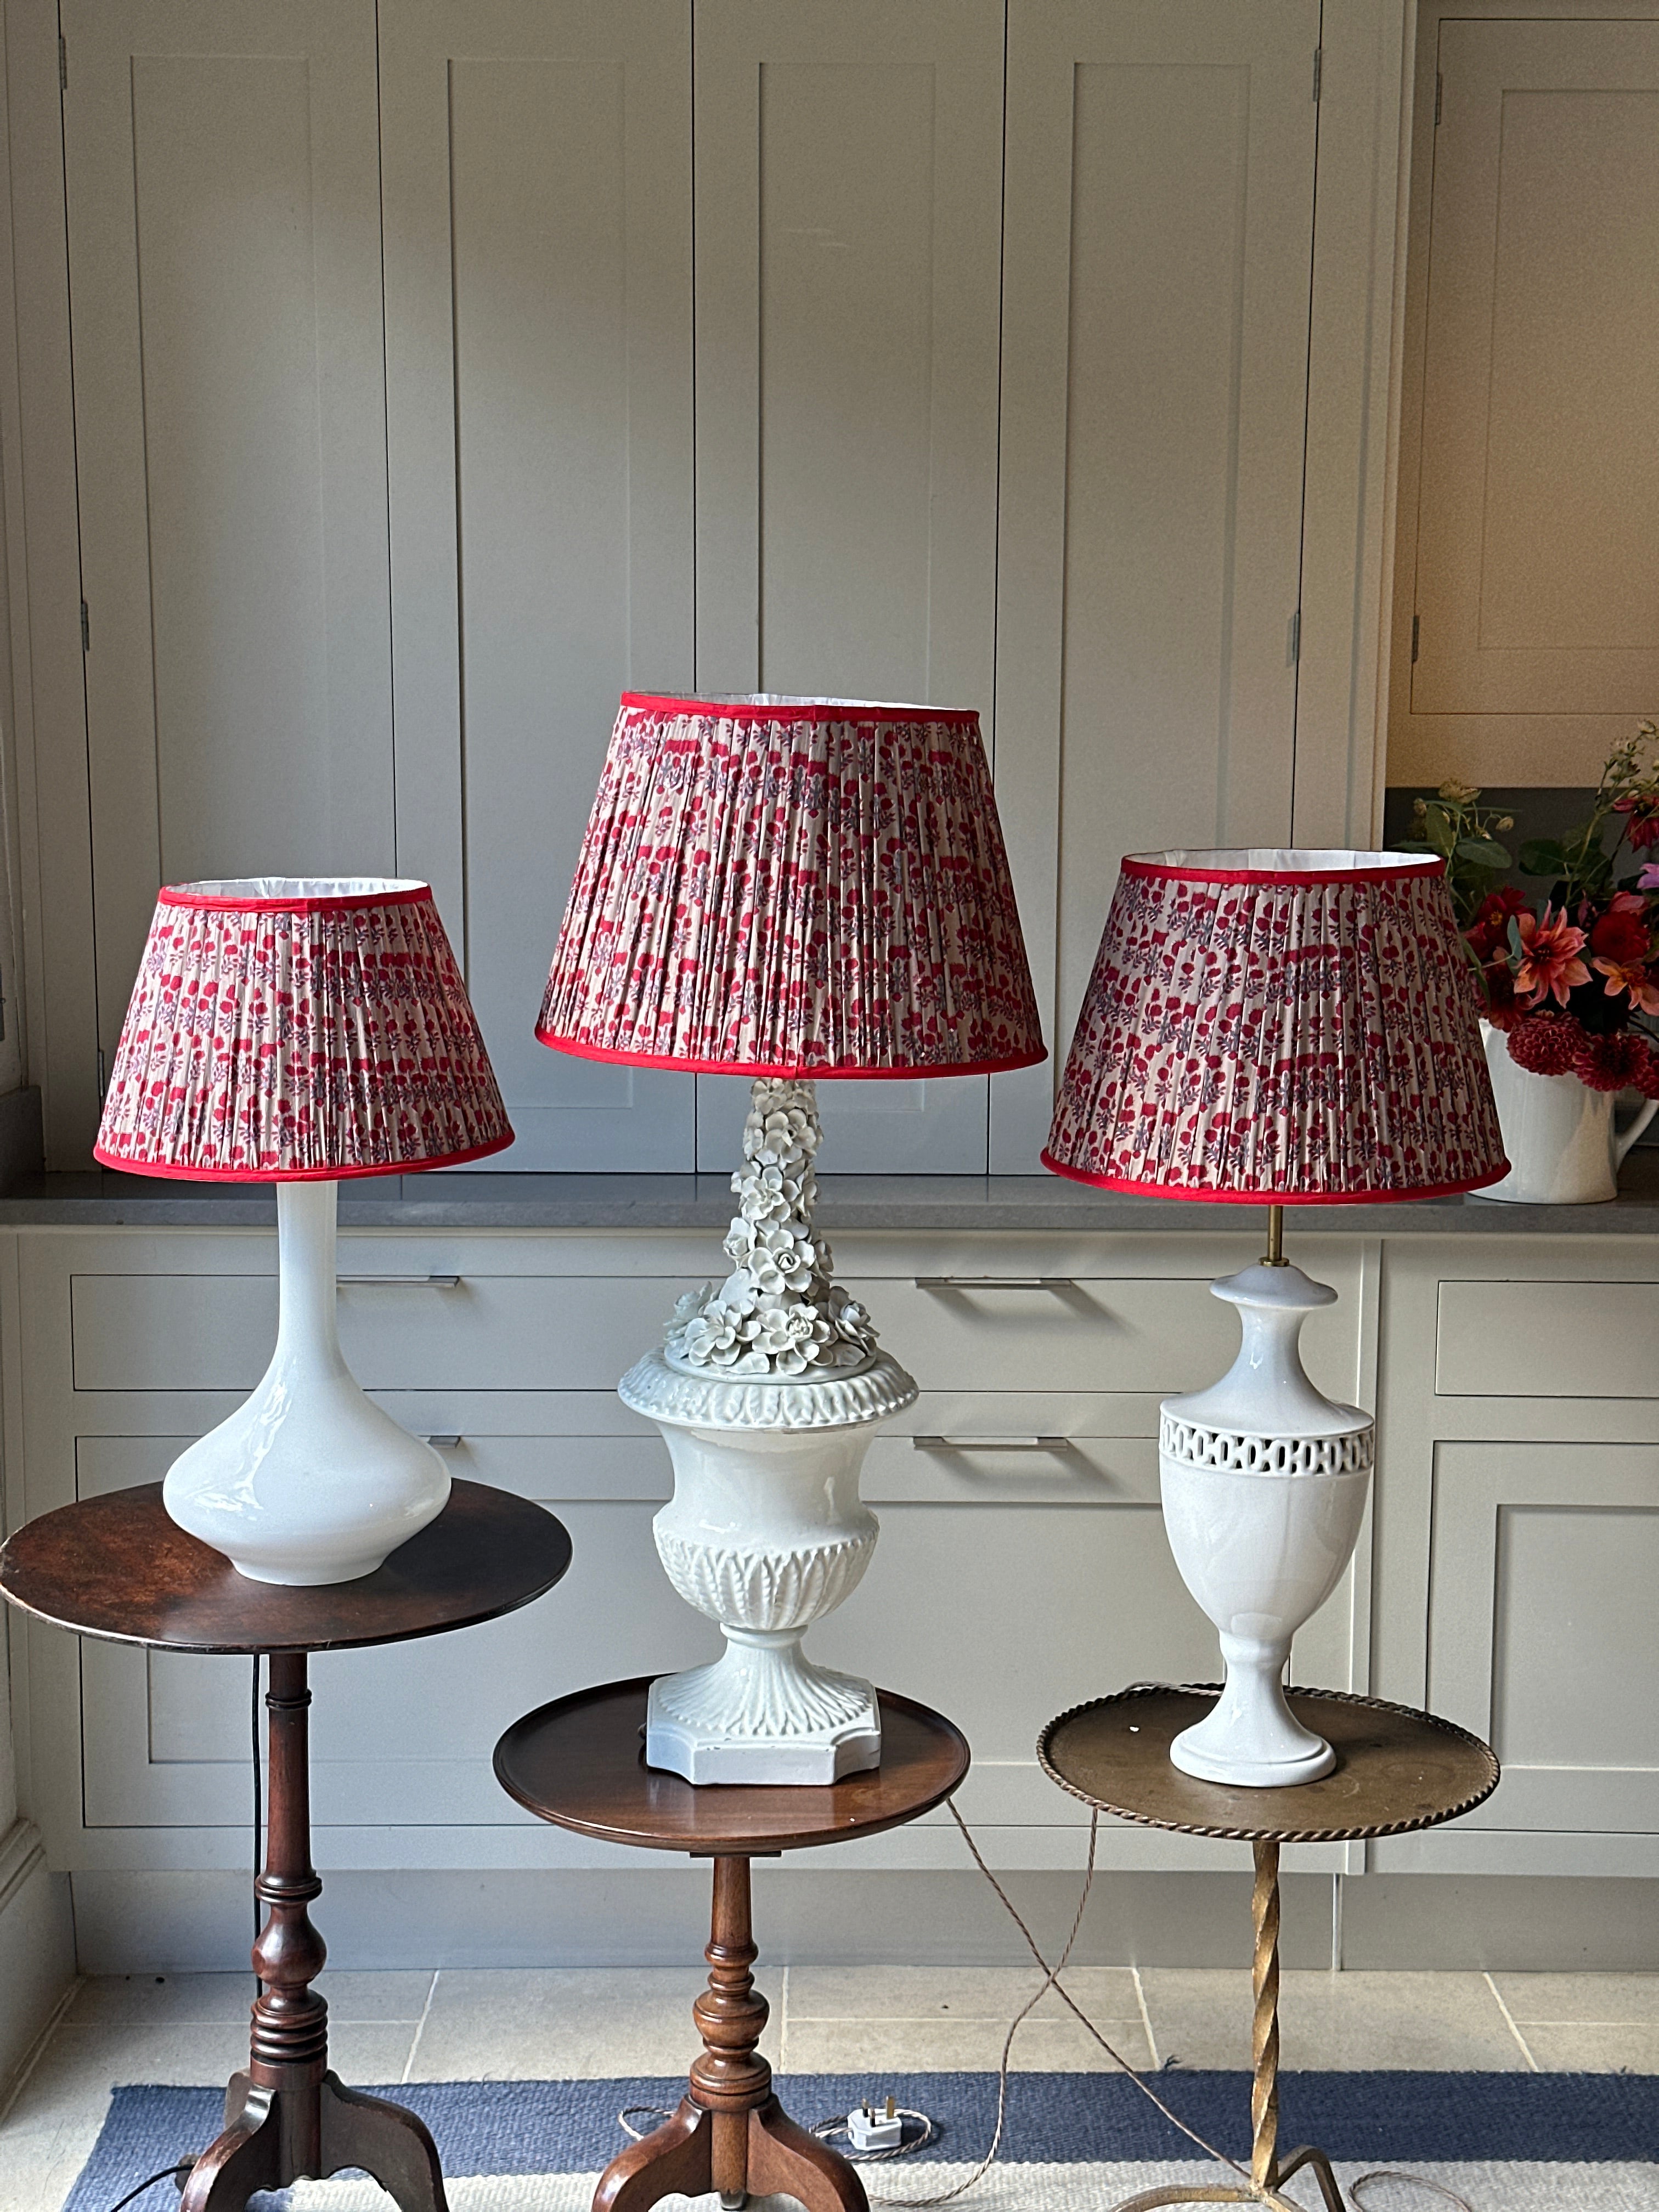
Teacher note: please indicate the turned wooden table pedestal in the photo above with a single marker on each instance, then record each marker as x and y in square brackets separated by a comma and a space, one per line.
[580, 1762]
[1396, 1770]
[117, 1567]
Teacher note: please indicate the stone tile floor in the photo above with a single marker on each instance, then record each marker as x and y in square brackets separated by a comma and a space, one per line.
[574, 2022]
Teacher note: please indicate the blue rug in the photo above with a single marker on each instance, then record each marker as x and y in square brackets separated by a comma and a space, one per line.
[1508, 2143]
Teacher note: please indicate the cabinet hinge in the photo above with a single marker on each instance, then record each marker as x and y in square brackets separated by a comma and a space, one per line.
[102, 1081]
[63, 63]
[1319, 69]
[1416, 634]
[86, 629]
[1439, 97]
[1293, 640]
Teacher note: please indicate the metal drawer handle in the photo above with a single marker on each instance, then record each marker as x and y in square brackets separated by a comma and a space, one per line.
[402, 1282]
[995, 1282]
[445, 1444]
[992, 1443]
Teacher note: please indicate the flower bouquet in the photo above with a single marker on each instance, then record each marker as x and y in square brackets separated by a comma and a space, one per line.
[1570, 984]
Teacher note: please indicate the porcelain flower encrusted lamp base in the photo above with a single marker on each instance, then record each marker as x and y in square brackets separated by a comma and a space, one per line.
[768, 1394]
[1264, 1483]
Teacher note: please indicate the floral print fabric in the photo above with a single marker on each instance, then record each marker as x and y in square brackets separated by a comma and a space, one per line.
[782, 888]
[1298, 1033]
[328, 1036]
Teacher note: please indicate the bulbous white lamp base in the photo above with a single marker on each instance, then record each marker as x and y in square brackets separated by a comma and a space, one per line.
[309, 1481]
[765, 1534]
[1264, 1483]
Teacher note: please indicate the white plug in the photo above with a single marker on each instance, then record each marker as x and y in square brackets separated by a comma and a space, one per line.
[871, 2130]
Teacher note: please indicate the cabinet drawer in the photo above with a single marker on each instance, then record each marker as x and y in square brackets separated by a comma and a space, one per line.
[400, 1333]
[1547, 1339]
[1152, 1333]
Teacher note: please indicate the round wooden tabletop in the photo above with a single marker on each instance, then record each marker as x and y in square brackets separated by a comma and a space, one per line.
[117, 1567]
[580, 1762]
[1396, 1769]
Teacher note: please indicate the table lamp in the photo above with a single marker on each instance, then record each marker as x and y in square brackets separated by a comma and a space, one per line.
[1282, 1029]
[791, 890]
[295, 1031]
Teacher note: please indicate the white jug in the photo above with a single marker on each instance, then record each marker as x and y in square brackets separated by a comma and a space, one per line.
[1564, 1146]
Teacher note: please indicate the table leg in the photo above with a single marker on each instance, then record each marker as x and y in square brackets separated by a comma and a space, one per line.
[1267, 2175]
[730, 2133]
[289, 2118]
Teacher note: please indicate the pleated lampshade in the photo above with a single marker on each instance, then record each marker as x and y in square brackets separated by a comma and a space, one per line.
[781, 887]
[284, 1030]
[1283, 1027]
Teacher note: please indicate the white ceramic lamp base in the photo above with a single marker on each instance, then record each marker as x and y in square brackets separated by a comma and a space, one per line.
[762, 1713]
[308, 1481]
[1264, 1484]
[765, 1534]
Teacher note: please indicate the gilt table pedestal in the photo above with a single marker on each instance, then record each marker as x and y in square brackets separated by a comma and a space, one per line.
[117, 1567]
[1396, 1770]
[580, 1762]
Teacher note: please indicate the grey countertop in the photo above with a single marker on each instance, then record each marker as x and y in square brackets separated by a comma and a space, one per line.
[101, 1199]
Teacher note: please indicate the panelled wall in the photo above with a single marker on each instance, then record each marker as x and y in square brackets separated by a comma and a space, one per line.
[442, 368]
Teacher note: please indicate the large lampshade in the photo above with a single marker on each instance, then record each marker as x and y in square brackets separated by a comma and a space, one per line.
[1287, 1027]
[285, 1029]
[775, 886]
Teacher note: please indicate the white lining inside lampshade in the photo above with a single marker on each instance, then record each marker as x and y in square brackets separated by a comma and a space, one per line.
[1285, 860]
[815, 699]
[236, 891]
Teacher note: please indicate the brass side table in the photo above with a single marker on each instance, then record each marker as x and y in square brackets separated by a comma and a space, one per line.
[1396, 1770]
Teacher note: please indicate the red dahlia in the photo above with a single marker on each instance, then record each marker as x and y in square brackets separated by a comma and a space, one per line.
[1622, 935]
[1610, 1062]
[1548, 1044]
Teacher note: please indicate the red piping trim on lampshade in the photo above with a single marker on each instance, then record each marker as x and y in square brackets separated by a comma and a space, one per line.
[732, 710]
[792, 1070]
[1131, 1188]
[182, 894]
[1430, 865]
[302, 1175]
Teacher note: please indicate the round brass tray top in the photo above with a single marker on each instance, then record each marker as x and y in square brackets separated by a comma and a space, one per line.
[1396, 1769]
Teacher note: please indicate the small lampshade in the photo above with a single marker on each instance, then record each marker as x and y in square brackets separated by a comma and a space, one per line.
[1284, 1027]
[286, 1030]
[788, 887]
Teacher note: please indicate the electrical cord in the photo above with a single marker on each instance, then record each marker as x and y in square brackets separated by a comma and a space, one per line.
[178, 2175]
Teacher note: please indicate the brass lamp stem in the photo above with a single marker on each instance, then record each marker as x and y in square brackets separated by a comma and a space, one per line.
[1274, 1256]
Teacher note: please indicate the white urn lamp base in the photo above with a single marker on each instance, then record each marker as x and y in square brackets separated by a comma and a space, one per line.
[308, 1482]
[1264, 1483]
[765, 1534]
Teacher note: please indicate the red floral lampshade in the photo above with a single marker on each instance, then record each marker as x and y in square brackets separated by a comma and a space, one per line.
[1284, 1027]
[285, 1030]
[789, 887]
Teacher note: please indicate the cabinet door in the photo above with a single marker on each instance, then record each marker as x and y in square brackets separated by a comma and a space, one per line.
[848, 225]
[1158, 261]
[538, 208]
[225, 298]
[1537, 548]
[1541, 1634]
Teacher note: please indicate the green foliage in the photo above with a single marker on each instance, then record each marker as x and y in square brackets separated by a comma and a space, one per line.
[1466, 836]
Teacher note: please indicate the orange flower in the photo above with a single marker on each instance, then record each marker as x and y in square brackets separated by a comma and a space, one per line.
[1638, 980]
[1550, 966]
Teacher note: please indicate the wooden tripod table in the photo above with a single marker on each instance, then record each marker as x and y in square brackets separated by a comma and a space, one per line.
[1396, 1770]
[117, 1567]
[580, 1762]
